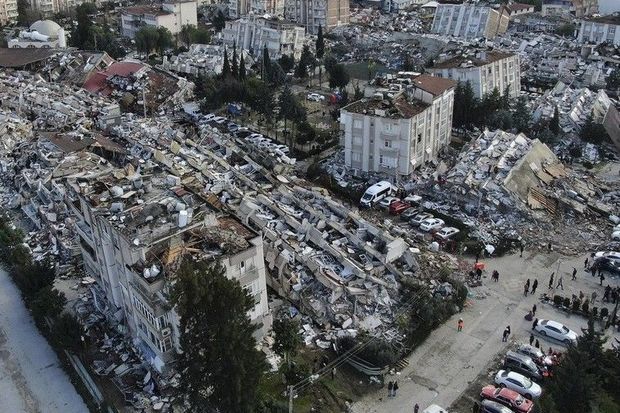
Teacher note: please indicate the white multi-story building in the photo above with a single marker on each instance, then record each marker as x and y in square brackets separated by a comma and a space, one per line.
[8, 11]
[469, 21]
[171, 15]
[135, 231]
[395, 135]
[599, 30]
[253, 33]
[314, 13]
[484, 70]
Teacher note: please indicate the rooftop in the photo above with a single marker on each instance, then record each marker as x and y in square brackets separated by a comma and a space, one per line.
[146, 9]
[23, 57]
[433, 84]
[474, 60]
[518, 7]
[397, 107]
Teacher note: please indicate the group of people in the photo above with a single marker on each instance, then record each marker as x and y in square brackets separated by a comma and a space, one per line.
[392, 388]
[526, 287]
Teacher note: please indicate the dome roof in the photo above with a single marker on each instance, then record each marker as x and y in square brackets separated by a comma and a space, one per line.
[46, 27]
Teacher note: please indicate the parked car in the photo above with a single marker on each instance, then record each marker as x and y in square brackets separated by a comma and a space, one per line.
[557, 331]
[535, 354]
[430, 224]
[615, 235]
[315, 97]
[523, 364]
[387, 201]
[409, 213]
[398, 207]
[417, 220]
[447, 233]
[489, 406]
[611, 265]
[519, 383]
[508, 398]
[413, 199]
[208, 117]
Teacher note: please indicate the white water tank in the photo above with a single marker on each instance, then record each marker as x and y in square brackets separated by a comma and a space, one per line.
[182, 218]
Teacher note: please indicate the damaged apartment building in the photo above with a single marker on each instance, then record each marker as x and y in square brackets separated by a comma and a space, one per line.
[398, 129]
[469, 21]
[135, 227]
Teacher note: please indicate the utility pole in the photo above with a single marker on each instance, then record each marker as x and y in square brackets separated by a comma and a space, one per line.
[290, 399]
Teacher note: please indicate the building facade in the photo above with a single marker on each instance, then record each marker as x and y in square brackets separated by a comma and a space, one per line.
[469, 21]
[599, 30]
[485, 71]
[314, 13]
[134, 253]
[579, 8]
[253, 33]
[8, 11]
[171, 15]
[395, 135]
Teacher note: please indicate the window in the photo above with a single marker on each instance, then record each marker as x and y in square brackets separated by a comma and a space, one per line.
[387, 144]
[419, 137]
[242, 265]
[357, 123]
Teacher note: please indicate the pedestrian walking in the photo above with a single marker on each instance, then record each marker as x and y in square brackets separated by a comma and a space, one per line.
[505, 335]
[534, 286]
[534, 324]
[551, 281]
[495, 275]
[593, 297]
[560, 282]
[606, 293]
[574, 274]
[593, 271]
[521, 248]
[531, 339]
[537, 344]
[526, 289]
[601, 278]
[534, 309]
[549, 247]
[459, 325]
[395, 388]
[585, 263]
[416, 408]
[477, 256]
[390, 389]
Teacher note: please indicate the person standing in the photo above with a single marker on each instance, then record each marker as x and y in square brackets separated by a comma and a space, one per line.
[585, 263]
[521, 248]
[459, 325]
[560, 283]
[549, 247]
[531, 339]
[534, 324]
[601, 278]
[593, 271]
[574, 273]
[390, 388]
[416, 408]
[526, 289]
[534, 286]
[534, 309]
[395, 388]
[593, 297]
[505, 335]
[551, 281]
[537, 344]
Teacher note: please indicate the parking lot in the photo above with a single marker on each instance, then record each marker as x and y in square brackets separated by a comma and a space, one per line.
[452, 366]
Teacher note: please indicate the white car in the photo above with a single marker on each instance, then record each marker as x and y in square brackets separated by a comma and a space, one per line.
[447, 232]
[413, 199]
[555, 330]
[417, 220]
[519, 383]
[387, 201]
[615, 235]
[430, 224]
[315, 97]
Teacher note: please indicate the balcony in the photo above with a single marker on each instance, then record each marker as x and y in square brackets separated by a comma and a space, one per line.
[148, 289]
[85, 233]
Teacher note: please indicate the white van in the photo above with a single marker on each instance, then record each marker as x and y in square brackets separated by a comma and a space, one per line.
[375, 194]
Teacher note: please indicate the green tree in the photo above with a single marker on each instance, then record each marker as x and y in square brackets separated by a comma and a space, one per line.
[320, 43]
[266, 65]
[67, 332]
[219, 21]
[522, 116]
[301, 71]
[147, 39]
[260, 97]
[234, 67]
[491, 101]
[504, 100]
[82, 33]
[500, 119]
[47, 302]
[221, 367]
[566, 30]
[242, 72]
[186, 35]
[554, 125]
[465, 105]
[329, 62]
[225, 65]
[338, 77]
[164, 40]
[287, 62]
[593, 132]
[613, 80]
[287, 338]
[407, 65]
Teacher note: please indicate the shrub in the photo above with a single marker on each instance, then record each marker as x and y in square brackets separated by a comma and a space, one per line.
[566, 302]
[557, 300]
[604, 312]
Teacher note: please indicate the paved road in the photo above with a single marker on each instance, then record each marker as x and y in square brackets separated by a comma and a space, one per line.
[31, 380]
[441, 369]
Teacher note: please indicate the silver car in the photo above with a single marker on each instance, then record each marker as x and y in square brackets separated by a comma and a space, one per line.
[557, 331]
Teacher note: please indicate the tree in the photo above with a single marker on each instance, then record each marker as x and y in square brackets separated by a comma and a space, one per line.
[220, 365]
[47, 302]
[242, 72]
[67, 332]
[235, 64]
[301, 71]
[329, 62]
[338, 77]
[147, 39]
[554, 125]
[522, 115]
[23, 8]
[260, 97]
[501, 119]
[287, 62]
[566, 30]
[81, 35]
[219, 21]
[287, 338]
[187, 34]
[491, 101]
[164, 40]
[266, 64]
[613, 80]
[407, 64]
[358, 92]
[465, 104]
[225, 65]
[504, 100]
[593, 132]
[320, 43]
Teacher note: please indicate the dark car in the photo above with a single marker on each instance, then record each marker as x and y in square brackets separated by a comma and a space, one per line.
[489, 406]
[523, 364]
[607, 264]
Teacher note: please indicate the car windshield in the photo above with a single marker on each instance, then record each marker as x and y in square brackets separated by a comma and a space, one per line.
[565, 330]
[527, 383]
[518, 401]
[367, 197]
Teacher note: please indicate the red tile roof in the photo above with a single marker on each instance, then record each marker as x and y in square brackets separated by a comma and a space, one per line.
[433, 84]
[97, 83]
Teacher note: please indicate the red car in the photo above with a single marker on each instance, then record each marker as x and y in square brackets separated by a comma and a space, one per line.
[507, 397]
[399, 206]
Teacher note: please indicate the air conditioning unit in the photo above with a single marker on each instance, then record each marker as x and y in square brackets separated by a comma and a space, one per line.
[165, 332]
